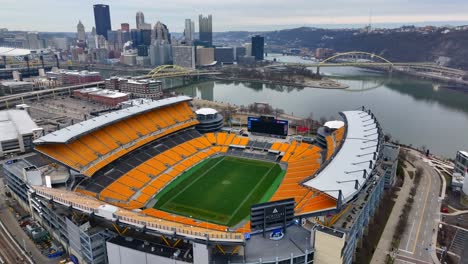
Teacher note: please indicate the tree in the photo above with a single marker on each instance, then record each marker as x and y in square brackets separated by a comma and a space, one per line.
[322, 120]
[388, 137]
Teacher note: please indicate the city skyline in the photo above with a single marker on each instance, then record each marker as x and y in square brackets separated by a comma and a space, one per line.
[231, 15]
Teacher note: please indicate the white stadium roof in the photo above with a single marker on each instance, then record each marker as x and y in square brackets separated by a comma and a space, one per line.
[346, 169]
[334, 124]
[206, 111]
[14, 123]
[69, 133]
[13, 52]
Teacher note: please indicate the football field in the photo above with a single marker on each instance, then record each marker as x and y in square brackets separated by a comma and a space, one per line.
[221, 190]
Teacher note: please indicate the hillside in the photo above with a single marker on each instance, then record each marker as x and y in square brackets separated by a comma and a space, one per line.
[394, 45]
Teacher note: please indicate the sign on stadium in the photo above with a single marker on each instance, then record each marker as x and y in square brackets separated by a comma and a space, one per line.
[268, 216]
[267, 125]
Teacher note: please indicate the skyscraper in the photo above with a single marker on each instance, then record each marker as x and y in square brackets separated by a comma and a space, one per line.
[160, 33]
[125, 27]
[258, 47]
[102, 19]
[160, 48]
[189, 30]
[206, 30]
[140, 21]
[80, 32]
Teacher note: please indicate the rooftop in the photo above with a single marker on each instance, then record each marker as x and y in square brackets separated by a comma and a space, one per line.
[206, 111]
[142, 81]
[15, 83]
[14, 123]
[69, 133]
[334, 124]
[13, 52]
[109, 93]
[345, 171]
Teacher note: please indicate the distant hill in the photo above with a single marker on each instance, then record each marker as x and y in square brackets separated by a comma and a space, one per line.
[395, 46]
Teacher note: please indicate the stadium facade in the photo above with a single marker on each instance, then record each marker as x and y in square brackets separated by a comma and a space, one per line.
[119, 163]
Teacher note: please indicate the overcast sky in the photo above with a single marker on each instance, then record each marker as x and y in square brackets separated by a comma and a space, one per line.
[252, 15]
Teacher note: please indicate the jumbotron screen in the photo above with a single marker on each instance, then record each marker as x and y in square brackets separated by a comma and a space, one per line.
[267, 125]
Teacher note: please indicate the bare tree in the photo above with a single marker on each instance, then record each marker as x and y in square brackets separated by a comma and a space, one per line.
[322, 120]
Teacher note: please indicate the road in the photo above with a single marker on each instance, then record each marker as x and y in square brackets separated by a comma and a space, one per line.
[418, 243]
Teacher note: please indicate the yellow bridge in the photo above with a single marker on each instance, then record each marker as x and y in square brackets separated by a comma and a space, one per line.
[169, 71]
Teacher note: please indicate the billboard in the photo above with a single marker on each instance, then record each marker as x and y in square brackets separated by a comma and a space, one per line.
[267, 125]
[267, 216]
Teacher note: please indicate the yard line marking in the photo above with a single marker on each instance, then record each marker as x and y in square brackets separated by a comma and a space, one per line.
[201, 176]
[250, 194]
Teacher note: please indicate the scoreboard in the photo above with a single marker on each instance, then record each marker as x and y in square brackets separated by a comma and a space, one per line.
[267, 125]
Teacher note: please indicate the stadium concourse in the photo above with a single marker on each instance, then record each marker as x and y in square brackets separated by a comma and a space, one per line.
[126, 160]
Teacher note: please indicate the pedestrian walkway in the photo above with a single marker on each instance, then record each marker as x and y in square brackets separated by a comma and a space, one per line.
[385, 242]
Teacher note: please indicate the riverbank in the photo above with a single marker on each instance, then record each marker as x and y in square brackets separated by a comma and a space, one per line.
[320, 84]
[454, 82]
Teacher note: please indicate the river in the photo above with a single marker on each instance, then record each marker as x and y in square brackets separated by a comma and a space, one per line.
[412, 111]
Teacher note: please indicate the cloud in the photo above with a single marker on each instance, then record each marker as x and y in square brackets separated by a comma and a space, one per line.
[52, 15]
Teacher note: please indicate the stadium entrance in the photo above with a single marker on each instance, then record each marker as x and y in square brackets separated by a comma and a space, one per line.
[272, 215]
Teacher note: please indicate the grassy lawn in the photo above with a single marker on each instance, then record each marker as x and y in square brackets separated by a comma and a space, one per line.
[220, 190]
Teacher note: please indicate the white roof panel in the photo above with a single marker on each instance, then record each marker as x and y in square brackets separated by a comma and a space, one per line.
[12, 52]
[69, 133]
[206, 111]
[346, 169]
[14, 123]
[334, 124]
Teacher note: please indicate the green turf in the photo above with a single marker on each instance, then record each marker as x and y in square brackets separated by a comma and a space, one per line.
[221, 190]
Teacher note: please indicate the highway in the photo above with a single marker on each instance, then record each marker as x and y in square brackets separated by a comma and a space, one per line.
[9, 101]
[418, 243]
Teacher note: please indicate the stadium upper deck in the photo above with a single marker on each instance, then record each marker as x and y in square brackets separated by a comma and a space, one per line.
[90, 145]
[320, 180]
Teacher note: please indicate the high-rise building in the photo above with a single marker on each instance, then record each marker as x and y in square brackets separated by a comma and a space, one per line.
[102, 19]
[189, 30]
[224, 55]
[125, 27]
[33, 40]
[146, 36]
[184, 56]
[258, 47]
[248, 49]
[206, 30]
[160, 53]
[240, 52]
[205, 56]
[160, 33]
[140, 21]
[80, 32]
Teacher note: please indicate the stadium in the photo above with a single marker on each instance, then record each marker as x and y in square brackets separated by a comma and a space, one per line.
[145, 173]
